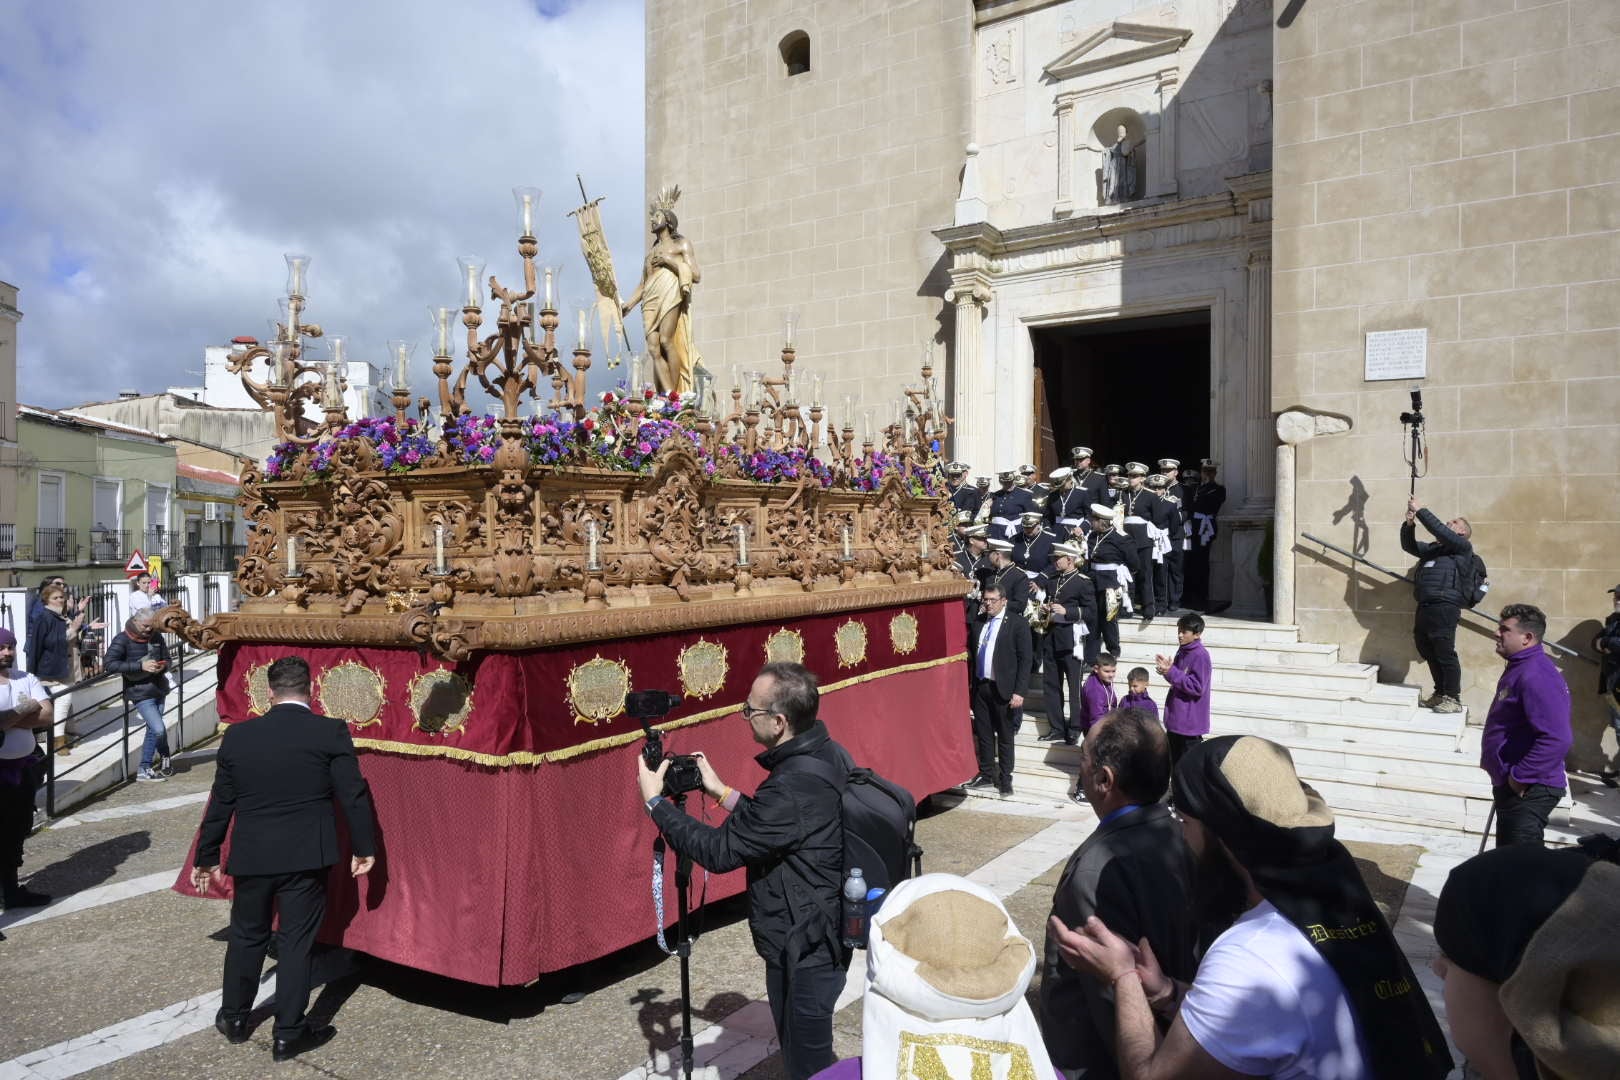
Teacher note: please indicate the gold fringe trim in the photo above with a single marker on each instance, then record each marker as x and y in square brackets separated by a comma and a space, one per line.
[527, 757]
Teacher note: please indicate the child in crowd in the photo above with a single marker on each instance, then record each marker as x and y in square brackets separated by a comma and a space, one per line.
[1138, 698]
[1097, 697]
[1186, 705]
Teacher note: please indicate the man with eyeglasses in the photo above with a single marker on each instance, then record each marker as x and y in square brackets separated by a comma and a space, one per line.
[789, 835]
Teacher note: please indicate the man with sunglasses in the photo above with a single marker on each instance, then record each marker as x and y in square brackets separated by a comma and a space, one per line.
[789, 835]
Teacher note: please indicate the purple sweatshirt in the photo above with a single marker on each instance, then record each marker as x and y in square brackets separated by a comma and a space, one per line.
[1140, 701]
[1096, 698]
[1186, 706]
[1527, 731]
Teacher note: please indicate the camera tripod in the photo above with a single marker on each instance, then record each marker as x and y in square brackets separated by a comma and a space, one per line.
[683, 938]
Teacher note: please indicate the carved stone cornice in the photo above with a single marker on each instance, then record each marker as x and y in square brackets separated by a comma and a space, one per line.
[458, 635]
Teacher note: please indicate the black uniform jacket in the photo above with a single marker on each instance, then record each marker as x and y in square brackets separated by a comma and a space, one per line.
[790, 836]
[1075, 592]
[277, 775]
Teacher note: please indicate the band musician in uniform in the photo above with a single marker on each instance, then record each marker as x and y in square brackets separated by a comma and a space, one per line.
[1008, 504]
[1066, 506]
[1138, 503]
[1108, 554]
[1071, 604]
[1175, 561]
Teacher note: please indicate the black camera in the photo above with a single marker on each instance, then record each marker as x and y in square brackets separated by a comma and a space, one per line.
[647, 706]
[1415, 417]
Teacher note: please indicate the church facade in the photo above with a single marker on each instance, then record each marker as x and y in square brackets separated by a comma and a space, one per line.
[1155, 228]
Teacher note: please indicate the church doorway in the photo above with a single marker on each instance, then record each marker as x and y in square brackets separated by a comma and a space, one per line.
[1132, 389]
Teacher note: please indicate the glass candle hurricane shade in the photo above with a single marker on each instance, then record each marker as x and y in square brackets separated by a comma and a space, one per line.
[527, 200]
[472, 275]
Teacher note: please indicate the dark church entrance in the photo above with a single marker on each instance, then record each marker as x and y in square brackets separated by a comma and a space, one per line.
[1132, 389]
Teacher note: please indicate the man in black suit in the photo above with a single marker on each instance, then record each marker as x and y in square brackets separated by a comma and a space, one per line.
[1003, 655]
[277, 775]
[1134, 867]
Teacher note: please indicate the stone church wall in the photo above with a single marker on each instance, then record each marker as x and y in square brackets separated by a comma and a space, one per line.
[814, 191]
[1455, 165]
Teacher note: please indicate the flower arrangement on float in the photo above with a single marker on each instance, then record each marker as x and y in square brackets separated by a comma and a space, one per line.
[621, 434]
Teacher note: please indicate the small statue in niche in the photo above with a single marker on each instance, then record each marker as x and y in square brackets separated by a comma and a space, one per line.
[1119, 168]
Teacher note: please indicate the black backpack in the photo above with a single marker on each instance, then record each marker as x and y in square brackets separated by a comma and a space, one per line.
[880, 824]
[1471, 578]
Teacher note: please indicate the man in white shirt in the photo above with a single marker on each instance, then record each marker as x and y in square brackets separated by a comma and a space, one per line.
[1307, 982]
[25, 705]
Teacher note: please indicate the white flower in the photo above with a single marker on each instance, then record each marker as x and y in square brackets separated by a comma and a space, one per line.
[607, 440]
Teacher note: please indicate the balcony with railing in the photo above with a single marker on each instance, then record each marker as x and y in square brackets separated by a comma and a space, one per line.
[109, 546]
[156, 541]
[8, 542]
[56, 546]
[212, 558]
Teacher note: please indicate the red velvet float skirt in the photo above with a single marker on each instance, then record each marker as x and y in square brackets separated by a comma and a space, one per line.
[514, 843]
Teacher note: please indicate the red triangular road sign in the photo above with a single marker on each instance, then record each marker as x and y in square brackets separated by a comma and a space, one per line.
[136, 565]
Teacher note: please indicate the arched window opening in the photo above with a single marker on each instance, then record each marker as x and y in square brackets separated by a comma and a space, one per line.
[796, 52]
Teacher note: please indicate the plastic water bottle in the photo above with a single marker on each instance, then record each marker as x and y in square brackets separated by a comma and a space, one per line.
[855, 909]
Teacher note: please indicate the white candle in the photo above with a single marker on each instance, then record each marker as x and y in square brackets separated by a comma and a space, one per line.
[584, 329]
[635, 375]
[438, 549]
[551, 289]
[815, 388]
[849, 544]
[292, 556]
[742, 544]
[923, 551]
[593, 560]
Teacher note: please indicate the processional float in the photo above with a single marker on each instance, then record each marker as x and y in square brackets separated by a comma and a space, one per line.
[477, 592]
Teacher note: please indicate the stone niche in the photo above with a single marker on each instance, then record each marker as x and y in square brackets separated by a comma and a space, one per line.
[1120, 74]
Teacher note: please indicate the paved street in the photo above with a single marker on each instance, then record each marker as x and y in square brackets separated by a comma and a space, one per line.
[122, 974]
[147, 949]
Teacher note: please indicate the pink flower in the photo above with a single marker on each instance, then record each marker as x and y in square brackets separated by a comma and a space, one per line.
[644, 447]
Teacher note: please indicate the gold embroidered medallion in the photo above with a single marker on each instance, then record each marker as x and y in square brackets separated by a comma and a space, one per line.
[351, 692]
[441, 701]
[850, 640]
[703, 666]
[784, 647]
[257, 681]
[597, 689]
[903, 633]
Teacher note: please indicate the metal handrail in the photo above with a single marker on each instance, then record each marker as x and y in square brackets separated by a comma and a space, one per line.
[114, 687]
[1489, 624]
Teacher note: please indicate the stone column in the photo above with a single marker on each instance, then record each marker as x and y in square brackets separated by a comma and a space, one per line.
[1065, 159]
[975, 384]
[1282, 546]
[1257, 384]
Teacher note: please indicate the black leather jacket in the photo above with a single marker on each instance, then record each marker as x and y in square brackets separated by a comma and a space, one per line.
[790, 836]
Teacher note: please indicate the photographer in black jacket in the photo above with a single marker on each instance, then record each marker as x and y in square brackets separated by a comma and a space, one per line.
[789, 834]
[1443, 588]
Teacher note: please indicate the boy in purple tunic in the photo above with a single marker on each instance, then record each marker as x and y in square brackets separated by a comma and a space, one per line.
[1137, 698]
[1186, 706]
[1097, 697]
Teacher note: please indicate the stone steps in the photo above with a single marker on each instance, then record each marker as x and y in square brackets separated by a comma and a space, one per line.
[1369, 748]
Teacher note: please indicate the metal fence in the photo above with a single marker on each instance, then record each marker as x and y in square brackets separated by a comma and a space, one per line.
[109, 545]
[8, 542]
[56, 545]
[98, 709]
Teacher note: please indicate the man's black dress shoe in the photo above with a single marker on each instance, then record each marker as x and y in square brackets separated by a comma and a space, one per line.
[283, 1049]
[235, 1031]
[1051, 736]
[980, 781]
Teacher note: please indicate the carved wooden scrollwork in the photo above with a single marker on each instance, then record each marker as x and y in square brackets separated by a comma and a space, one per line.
[453, 639]
[174, 619]
[564, 524]
[673, 520]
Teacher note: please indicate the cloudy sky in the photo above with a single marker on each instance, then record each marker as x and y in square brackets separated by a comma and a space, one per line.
[158, 158]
